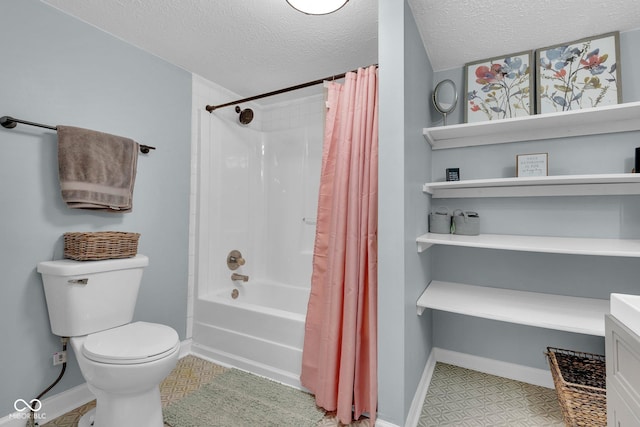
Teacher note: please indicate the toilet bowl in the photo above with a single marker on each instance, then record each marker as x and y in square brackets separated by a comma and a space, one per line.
[123, 363]
[123, 368]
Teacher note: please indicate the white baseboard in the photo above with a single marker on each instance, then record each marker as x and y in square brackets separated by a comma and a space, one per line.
[421, 392]
[10, 422]
[63, 402]
[381, 423]
[52, 407]
[527, 374]
[185, 348]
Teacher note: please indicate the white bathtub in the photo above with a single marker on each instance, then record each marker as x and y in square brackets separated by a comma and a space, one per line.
[261, 331]
[273, 298]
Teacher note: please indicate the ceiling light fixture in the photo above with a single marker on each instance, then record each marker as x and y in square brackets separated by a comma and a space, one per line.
[317, 7]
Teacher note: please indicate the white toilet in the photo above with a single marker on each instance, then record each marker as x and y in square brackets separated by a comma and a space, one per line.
[92, 302]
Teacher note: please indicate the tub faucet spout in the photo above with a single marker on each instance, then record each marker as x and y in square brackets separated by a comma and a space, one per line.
[236, 276]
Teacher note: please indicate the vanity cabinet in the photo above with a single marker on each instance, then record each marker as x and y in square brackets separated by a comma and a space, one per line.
[623, 376]
[572, 314]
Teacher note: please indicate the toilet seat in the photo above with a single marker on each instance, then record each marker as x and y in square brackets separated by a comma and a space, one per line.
[133, 343]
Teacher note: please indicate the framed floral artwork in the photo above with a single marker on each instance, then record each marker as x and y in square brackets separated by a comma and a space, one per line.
[499, 88]
[580, 74]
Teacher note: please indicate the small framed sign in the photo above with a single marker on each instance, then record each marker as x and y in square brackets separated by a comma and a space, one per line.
[532, 164]
[453, 174]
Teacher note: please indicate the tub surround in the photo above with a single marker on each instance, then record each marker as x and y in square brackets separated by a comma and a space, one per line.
[257, 193]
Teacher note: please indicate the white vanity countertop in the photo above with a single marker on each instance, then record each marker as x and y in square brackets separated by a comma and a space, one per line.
[626, 308]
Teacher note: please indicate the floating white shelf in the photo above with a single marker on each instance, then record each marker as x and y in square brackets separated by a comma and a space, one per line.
[563, 185]
[558, 245]
[590, 121]
[564, 313]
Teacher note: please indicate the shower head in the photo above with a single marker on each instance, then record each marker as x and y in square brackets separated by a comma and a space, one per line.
[246, 115]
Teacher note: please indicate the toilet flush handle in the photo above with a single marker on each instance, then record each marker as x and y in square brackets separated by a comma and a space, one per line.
[78, 281]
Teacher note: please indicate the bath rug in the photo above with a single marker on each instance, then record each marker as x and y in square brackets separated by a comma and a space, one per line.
[239, 399]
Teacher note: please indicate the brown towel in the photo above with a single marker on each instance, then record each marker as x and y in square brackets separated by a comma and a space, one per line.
[96, 170]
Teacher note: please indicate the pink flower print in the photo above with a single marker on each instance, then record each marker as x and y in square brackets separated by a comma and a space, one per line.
[560, 74]
[593, 62]
[486, 75]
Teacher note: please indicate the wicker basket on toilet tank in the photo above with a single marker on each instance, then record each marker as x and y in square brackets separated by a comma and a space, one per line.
[93, 246]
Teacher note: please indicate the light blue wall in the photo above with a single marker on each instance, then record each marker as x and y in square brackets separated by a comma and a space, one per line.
[606, 217]
[58, 70]
[405, 82]
[629, 42]
[417, 160]
[391, 200]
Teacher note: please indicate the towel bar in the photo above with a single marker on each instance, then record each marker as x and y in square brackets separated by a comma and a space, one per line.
[10, 122]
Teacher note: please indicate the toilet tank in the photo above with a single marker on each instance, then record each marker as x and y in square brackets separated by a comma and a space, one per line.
[84, 297]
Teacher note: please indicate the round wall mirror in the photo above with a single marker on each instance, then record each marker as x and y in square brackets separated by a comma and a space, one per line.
[445, 98]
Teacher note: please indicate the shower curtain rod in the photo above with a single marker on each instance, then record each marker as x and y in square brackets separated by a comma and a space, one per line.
[11, 122]
[210, 108]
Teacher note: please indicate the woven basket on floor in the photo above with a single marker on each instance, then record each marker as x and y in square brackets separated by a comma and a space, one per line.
[100, 245]
[580, 382]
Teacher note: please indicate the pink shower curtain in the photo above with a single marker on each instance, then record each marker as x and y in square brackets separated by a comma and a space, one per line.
[339, 359]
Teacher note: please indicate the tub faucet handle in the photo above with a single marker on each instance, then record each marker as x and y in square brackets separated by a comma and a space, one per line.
[239, 261]
[234, 260]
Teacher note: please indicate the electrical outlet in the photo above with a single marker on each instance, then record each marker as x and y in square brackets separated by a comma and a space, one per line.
[59, 357]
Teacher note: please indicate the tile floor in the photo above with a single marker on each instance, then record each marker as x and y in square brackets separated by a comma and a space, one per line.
[188, 376]
[456, 397]
[463, 398]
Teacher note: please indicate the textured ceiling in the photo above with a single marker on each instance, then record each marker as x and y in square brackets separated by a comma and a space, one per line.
[257, 46]
[455, 32]
[246, 46]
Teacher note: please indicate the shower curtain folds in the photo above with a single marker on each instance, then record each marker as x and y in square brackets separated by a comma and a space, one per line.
[339, 361]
